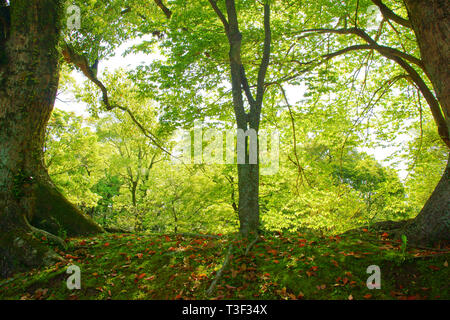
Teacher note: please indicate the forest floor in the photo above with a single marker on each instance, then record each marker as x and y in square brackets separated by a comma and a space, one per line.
[280, 266]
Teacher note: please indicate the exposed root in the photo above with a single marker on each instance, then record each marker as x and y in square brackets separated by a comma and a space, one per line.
[46, 234]
[212, 287]
[252, 244]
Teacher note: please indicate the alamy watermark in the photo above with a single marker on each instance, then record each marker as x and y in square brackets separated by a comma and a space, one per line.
[229, 146]
[73, 17]
[74, 281]
[374, 281]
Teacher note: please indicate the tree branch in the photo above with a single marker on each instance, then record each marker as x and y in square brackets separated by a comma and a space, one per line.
[363, 35]
[265, 59]
[221, 16]
[398, 57]
[166, 10]
[82, 64]
[388, 14]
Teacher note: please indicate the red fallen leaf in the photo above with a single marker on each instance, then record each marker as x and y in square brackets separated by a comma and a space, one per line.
[301, 245]
[276, 261]
[167, 238]
[385, 235]
[321, 287]
[69, 256]
[82, 243]
[149, 278]
[178, 297]
[345, 280]
[139, 255]
[434, 268]
[106, 244]
[395, 293]
[335, 263]
[300, 295]
[367, 296]
[44, 238]
[365, 230]
[139, 277]
[310, 274]
[230, 287]
[314, 268]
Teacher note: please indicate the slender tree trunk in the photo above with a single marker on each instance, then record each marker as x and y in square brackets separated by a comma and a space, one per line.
[431, 24]
[28, 84]
[248, 183]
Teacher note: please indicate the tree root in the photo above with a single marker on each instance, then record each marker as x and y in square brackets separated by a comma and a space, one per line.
[46, 234]
[251, 245]
[212, 287]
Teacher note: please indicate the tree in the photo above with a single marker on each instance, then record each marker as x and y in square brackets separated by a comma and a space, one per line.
[29, 71]
[427, 19]
[248, 174]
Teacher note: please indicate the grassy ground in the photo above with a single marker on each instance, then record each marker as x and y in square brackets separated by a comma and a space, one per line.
[280, 266]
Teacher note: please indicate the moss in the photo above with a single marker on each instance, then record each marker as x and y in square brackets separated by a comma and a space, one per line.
[124, 266]
[58, 216]
[20, 251]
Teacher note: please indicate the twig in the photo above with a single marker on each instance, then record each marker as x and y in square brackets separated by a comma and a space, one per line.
[251, 245]
[219, 273]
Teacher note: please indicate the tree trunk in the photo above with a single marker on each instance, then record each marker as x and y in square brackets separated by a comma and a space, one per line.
[29, 75]
[248, 183]
[431, 25]
[432, 225]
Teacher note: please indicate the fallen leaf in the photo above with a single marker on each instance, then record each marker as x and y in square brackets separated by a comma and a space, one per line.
[434, 268]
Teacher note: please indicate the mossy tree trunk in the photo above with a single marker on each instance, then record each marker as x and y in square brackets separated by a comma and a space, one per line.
[29, 74]
[431, 24]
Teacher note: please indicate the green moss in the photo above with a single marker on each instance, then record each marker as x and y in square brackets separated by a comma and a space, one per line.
[119, 266]
[58, 216]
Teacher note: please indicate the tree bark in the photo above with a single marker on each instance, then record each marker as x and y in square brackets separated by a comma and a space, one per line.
[431, 24]
[29, 75]
[432, 224]
[248, 184]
